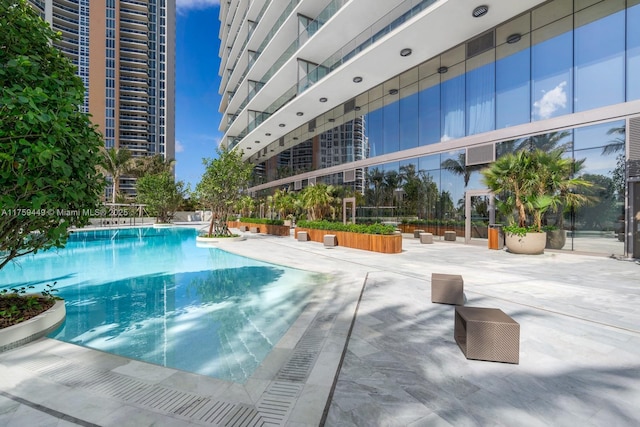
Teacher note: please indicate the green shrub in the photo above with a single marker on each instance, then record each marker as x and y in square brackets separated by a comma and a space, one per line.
[353, 228]
[262, 221]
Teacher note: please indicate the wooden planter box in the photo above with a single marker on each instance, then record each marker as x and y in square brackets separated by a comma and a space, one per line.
[436, 230]
[275, 230]
[384, 243]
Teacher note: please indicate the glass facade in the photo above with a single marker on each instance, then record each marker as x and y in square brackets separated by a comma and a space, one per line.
[561, 58]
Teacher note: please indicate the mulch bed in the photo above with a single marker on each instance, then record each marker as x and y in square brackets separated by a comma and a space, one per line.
[9, 317]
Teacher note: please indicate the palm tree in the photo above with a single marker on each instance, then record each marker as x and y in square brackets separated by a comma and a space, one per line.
[534, 181]
[115, 162]
[151, 165]
[617, 144]
[546, 142]
[459, 166]
[317, 200]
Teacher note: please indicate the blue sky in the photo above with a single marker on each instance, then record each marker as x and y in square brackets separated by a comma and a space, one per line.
[197, 81]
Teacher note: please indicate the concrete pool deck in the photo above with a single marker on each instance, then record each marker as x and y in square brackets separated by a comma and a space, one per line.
[579, 351]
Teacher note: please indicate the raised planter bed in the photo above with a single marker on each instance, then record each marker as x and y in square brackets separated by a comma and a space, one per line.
[34, 328]
[384, 243]
[436, 230]
[275, 230]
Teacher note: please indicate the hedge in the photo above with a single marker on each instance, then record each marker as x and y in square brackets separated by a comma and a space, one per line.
[262, 221]
[353, 228]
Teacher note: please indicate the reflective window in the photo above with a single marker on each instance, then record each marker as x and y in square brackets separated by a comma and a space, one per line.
[391, 130]
[453, 106]
[374, 132]
[409, 121]
[429, 109]
[599, 58]
[633, 53]
[480, 91]
[552, 61]
[513, 93]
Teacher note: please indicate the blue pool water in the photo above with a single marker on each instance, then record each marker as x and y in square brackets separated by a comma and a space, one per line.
[153, 295]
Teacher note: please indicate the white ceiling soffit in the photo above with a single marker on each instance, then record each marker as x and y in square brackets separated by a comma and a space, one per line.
[445, 24]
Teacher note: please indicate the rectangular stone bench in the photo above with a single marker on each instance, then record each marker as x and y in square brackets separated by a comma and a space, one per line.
[243, 228]
[450, 236]
[330, 240]
[447, 289]
[487, 334]
[303, 236]
[416, 233]
[426, 238]
[254, 229]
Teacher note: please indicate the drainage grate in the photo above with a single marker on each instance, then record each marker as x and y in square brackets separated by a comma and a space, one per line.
[154, 397]
[277, 401]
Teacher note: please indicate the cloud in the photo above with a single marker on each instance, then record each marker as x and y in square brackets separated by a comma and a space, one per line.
[185, 5]
[551, 101]
[179, 147]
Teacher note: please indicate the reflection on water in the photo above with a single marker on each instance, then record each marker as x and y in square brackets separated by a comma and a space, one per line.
[220, 323]
[156, 297]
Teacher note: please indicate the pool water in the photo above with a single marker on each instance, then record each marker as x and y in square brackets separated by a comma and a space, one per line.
[153, 295]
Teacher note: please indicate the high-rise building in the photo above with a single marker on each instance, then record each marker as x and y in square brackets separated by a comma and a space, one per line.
[444, 88]
[125, 54]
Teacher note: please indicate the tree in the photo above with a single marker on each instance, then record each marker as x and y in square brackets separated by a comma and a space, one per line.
[48, 147]
[151, 165]
[221, 187]
[115, 162]
[317, 200]
[459, 166]
[533, 182]
[161, 194]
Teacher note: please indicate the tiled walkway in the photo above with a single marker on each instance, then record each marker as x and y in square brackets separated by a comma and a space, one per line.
[579, 351]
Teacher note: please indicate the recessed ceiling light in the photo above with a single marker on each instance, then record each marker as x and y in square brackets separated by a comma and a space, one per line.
[405, 52]
[282, 125]
[323, 99]
[332, 120]
[248, 148]
[480, 11]
[299, 113]
[257, 142]
[267, 134]
[357, 79]
[443, 70]
[357, 108]
[271, 150]
[295, 138]
[514, 38]
[393, 91]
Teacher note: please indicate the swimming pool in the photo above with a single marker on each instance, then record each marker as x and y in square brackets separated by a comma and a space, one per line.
[153, 295]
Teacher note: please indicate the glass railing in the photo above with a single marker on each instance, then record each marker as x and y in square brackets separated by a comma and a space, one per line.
[311, 28]
[365, 39]
[244, 45]
[276, 26]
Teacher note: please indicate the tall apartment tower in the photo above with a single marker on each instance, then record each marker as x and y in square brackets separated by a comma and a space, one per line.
[442, 88]
[125, 54]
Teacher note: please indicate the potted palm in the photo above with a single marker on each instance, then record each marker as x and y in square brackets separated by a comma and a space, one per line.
[531, 182]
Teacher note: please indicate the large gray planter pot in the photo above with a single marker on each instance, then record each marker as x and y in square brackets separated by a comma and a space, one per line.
[529, 244]
[556, 239]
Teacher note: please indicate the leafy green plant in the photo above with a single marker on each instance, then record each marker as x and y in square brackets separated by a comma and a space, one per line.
[262, 221]
[49, 149]
[352, 228]
[16, 305]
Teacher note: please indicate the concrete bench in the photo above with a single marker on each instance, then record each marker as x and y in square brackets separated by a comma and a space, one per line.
[426, 238]
[303, 236]
[243, 228]
[416, 233]
[450, 236]
[447, 289]
[487, 334]
[254, 229]
[330, 240]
